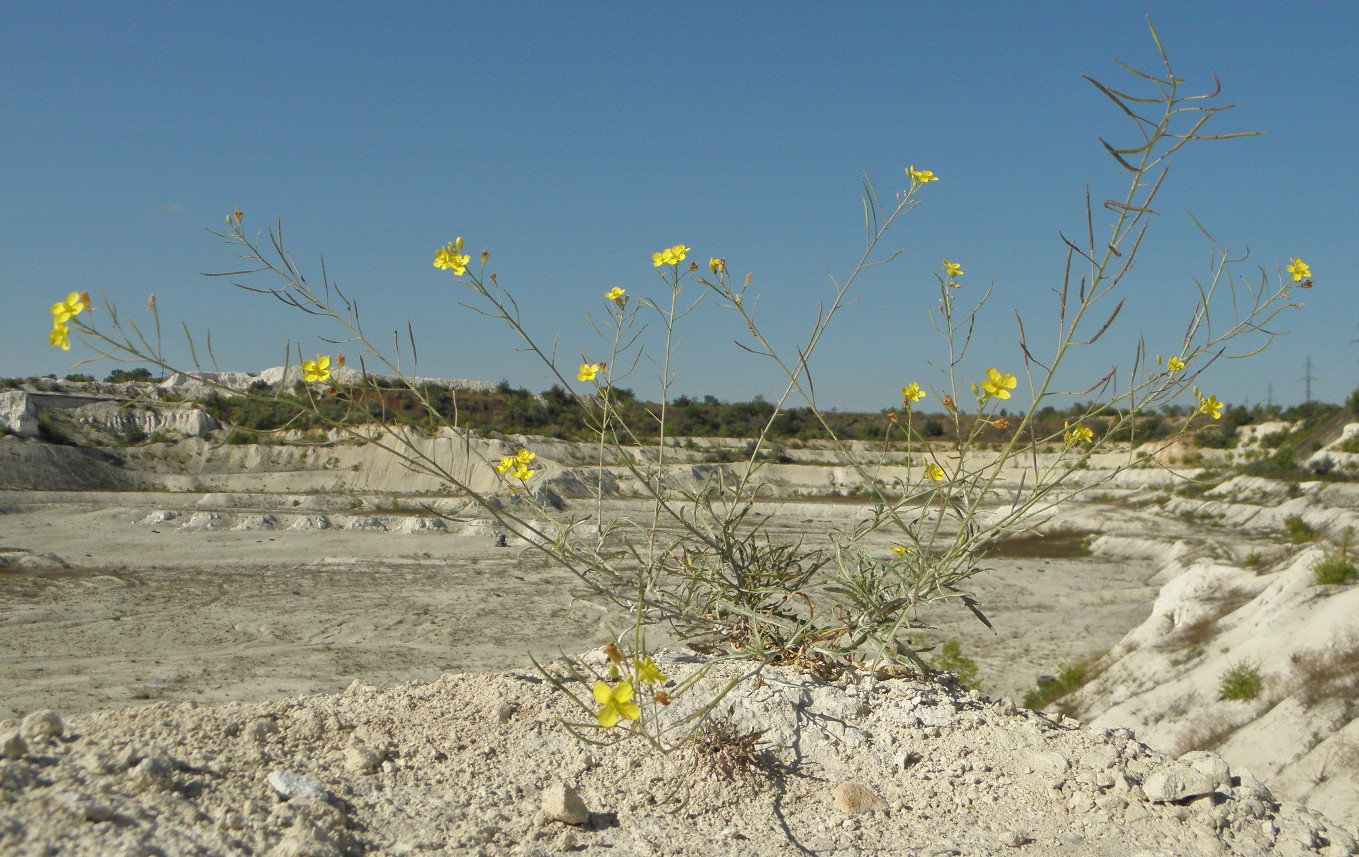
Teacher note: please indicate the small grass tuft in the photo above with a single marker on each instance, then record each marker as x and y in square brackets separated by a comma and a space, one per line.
[1242, 682]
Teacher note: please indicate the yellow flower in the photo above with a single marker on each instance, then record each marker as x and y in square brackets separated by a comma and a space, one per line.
[921, 176]
[1175, 365]
[69, 308]
[1001, 424]
[523, 456]
[718, 266]
[1079, 434]
[615, 702]
[648, 672]
[900, 551]
[998, 385]
[522, 472]
[618, 296]
[1209, 405]
[669, 256]
[934, 472]
[60, 337]
[451, 258]
[505, 464]
[952, 270]
[316, 371]
[1300, 270]
[588, 372]
[912, 393]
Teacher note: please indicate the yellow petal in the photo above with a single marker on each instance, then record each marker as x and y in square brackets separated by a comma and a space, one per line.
[603, 695]
[608, 716]
[630, 710]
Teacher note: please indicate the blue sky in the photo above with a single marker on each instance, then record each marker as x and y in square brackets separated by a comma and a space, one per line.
[574, 140]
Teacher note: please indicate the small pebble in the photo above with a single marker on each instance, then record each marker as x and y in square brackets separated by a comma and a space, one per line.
[561, 803]
[289, 785]
[1013, 838]
[854, 798]
[361, 759]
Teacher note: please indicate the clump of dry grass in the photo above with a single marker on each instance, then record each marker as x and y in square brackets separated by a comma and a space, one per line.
[730, 752]
[1329, 673]
[1208, 734]
[1197, 633]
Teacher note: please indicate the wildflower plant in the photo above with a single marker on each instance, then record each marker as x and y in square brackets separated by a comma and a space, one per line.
[702, 563]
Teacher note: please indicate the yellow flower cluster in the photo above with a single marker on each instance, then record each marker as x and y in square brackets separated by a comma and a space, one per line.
[1079, 434]
[62, 313]
[316, 371]
[616, 703]
[935, 472]
[517, 465]
[670, 256]
[911, 393]
[617, 295]
[588, 372]
[451, 258]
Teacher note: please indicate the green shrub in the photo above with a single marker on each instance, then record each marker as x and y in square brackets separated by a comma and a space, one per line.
[123, 376]
[1252, 559]
[951, 659]
[1051, 688]
[1242, 682]
[1299, 530]
[1335, 569]
[1274, 440]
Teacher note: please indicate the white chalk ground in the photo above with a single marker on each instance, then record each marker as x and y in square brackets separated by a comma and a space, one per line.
[240, 597]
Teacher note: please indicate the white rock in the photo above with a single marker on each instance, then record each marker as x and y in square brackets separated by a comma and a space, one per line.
[1210, 764]
[83, 807]
[1013, 838]
[42, 726]
[152, 774]
[17, 414]
[1177, 783]
[855, 799]
[561, 803]
[290, 785]
[360, 759]
[12, 744]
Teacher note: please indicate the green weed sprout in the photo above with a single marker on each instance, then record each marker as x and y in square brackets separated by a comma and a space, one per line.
[702, 564]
